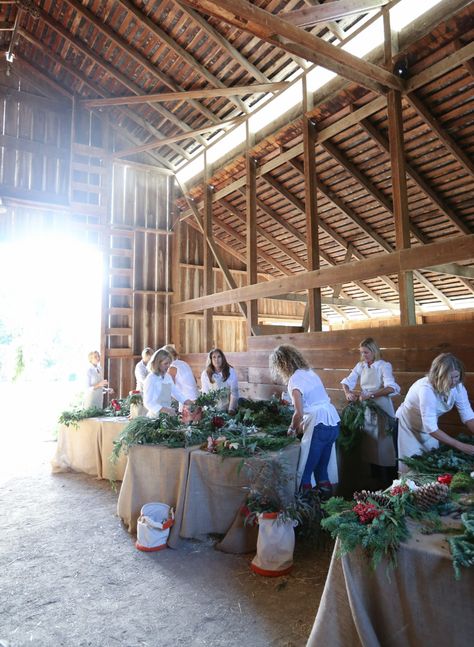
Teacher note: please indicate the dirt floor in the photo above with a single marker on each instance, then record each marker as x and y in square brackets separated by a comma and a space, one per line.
[70, 574]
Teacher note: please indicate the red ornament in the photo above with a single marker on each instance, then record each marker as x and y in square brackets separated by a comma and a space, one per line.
[445, 479]
[115, 405]
[366, 512]
[217, 422]
[398, 490]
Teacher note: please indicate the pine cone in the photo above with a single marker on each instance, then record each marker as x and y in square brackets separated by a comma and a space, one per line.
[378, 497]
[428, 495]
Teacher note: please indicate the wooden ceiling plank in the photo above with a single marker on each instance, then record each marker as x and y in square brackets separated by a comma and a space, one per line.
[310, 16]
[448, 63]
[108, 68]
[223, 43]
[141, 60]
[265, 25]
[180, 51]
[82, 79]
[441, 132]
[379, 138]
[458, 248]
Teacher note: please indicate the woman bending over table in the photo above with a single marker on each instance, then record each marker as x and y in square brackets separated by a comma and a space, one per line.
[314, 415]
[218, 374]
[96, 386]
[377, 383]
[159, 386]
[427, 399]
[182, 374]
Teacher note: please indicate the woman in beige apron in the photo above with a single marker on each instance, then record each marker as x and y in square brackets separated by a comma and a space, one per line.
[377, 383]
[159, 387]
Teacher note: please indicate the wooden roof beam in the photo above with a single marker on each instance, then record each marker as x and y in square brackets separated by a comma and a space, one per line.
[445, 138]
[273, 29]
[203, 93]
[222, 42]
[180, 51]
[137, 57]
[110, 70]
[458, 248]
[332, 25]
[82, 78]
[310, 16]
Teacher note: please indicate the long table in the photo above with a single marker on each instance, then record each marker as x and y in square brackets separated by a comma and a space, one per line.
[87, 448]
[206, 490]
[418, 603]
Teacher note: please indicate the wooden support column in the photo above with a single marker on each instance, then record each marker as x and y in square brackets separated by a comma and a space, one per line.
[399, 184]
[176, 274]
[251, 233]
[169, 251]
[312, 239]
[207, 331]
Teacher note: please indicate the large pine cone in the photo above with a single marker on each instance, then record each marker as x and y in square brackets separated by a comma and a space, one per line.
[428, 495]
[378, 497]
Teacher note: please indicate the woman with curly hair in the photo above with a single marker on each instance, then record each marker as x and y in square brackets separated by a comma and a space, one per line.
[314, 417]
[219, 374]
[427, 399]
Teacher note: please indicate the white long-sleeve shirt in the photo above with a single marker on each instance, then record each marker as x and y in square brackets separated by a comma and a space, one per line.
[185, 380]
[315, 399]
[93, 397]
[384, 373]
[141, 373]
[157, 393]
[231, 383]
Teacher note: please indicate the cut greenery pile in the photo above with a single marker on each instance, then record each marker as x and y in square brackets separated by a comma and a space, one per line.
[440, 482]
[242, 435]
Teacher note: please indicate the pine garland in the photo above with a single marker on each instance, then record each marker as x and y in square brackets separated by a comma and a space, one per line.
[442, 459]
[353, 420]
[72, 418]
[462, 546]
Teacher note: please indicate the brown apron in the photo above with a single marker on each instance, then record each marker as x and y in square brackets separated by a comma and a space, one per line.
[377, 446]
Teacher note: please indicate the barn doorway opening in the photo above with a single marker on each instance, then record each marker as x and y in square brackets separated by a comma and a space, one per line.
[50, 318]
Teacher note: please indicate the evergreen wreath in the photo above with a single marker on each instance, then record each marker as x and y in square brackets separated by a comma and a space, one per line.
[353, 419]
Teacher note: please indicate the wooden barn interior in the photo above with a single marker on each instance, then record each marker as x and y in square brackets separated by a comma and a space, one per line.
[315, 210]
[252, 173]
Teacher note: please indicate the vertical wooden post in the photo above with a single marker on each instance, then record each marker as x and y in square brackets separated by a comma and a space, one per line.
[169, 272]
[207, 260]
[309, 143]
[399, 184]
[175, 272]
[251, 233]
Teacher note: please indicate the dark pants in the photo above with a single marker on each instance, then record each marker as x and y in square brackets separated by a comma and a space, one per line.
[319, 454]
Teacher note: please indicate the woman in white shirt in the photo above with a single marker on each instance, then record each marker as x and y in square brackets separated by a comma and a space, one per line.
[377, 383]
[141, 369]
[95, 383]
[159, 386]
[314, 415]
[427, 400]
[219, 374]
[182, 374]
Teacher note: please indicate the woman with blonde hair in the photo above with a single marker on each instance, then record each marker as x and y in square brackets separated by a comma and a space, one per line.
[377, 383]
[159, 386]
[314, 416]
[96, 386]
[427, 400]
[182, 374]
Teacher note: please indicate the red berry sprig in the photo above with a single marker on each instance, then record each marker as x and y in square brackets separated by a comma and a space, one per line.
[366, 512]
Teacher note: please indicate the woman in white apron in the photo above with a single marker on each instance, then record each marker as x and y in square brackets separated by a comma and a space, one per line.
[95, 383]
[182, 374]
[219, 374]
[159, 387]
[427, 400]
[314, 416]
[377, 383]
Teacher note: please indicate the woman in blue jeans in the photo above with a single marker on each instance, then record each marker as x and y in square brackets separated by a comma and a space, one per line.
[314, 417]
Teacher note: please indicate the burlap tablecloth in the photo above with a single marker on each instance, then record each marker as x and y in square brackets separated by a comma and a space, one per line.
[421, 604]
[215, 494]
[154, 474]
[110, 428]
[87, 448]
[78, 448]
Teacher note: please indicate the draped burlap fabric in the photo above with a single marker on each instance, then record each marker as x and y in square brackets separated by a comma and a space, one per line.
[154, 473]
[421, 603]
[78, 448]
[87, 448]
[215, 493]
